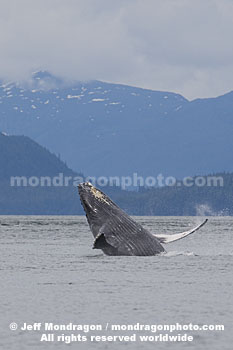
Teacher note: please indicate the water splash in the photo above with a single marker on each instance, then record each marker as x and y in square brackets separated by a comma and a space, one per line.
[173, 253]
[206, 210]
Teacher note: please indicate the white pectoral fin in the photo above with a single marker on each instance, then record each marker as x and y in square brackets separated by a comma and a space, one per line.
[171, 238]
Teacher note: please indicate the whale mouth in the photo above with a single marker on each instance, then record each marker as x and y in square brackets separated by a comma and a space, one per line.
[84, 190]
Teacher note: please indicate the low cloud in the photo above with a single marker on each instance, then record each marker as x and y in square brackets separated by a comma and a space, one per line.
[174, 45]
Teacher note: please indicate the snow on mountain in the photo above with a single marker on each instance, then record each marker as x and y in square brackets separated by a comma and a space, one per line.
[111, 129]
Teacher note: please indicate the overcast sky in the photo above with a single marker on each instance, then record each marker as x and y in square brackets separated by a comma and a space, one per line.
[185, 46]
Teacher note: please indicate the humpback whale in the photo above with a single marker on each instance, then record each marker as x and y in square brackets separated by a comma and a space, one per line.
[115, 232]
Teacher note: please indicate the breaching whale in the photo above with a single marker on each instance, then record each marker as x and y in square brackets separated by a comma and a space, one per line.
[115, 232]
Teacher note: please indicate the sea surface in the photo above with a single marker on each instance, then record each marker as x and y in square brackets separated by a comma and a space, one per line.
[49, 273]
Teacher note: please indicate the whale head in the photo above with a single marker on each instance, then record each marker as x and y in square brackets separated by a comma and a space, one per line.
[97, 206]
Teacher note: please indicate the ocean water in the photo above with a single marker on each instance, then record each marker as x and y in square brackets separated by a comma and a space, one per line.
[49, 273]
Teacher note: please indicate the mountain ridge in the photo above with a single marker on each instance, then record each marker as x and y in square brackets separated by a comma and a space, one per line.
[106, 129]
[22, 157]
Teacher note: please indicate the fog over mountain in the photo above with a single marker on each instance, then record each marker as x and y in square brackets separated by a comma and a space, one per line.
[174, 45]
